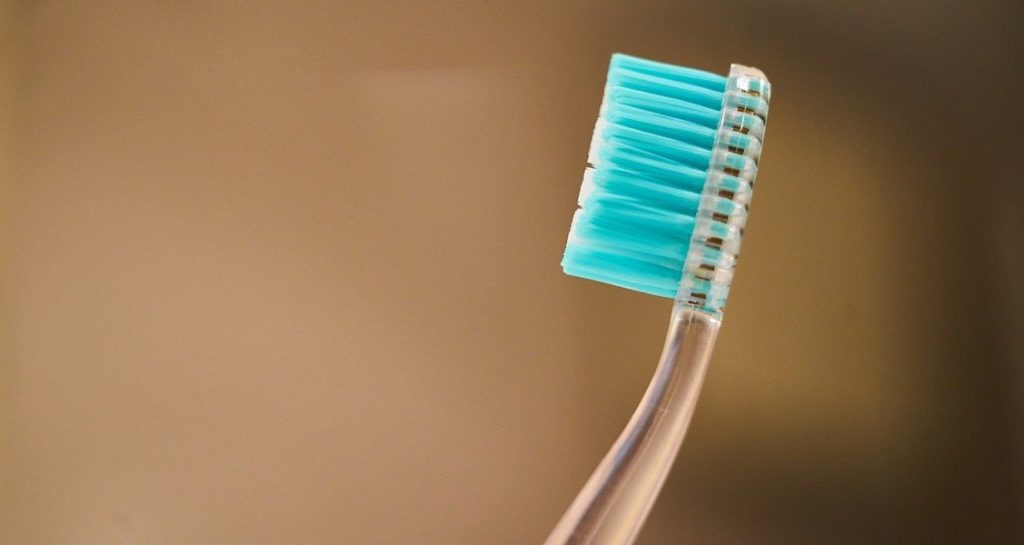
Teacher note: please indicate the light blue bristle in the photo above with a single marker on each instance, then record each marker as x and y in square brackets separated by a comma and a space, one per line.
[649, 161]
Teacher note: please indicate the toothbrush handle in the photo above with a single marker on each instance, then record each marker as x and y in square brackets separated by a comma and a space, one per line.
[612, 506]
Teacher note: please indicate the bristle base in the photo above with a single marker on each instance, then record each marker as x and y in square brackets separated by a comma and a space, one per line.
[715, 243]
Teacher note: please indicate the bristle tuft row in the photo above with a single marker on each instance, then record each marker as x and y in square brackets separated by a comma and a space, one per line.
[669, 178]
[648, 164]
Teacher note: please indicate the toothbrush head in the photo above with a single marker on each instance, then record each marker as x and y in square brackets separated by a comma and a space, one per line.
[668, 180]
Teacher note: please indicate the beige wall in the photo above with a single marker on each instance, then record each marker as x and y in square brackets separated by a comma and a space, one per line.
[290, 275]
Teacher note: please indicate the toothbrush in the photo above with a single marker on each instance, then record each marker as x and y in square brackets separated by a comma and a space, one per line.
[662, 208]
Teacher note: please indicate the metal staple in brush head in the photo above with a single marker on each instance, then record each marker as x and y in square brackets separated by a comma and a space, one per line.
[670, 168]
[715, 242]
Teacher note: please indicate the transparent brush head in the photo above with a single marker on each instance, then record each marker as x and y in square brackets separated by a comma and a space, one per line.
[722, 216]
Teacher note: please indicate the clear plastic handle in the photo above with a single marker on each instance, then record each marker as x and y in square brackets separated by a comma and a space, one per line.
[612, 506]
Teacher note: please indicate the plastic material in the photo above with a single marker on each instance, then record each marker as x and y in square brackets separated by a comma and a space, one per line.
[671, 171]
[612, 506]
[662, 209]
[647, 165]
[722, 214]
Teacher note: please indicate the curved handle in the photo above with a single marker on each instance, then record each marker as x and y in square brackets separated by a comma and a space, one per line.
[612, 506]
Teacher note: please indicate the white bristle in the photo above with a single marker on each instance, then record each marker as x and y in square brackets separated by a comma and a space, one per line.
[587, 187]
[595, 142]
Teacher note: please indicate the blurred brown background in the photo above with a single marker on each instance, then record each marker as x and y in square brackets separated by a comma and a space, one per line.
[276, 273]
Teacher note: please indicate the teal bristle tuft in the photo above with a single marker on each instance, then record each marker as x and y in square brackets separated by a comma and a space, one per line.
[643, 197]
[650, 159]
